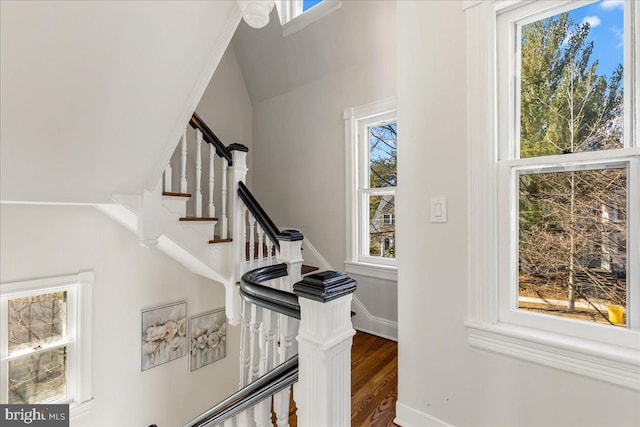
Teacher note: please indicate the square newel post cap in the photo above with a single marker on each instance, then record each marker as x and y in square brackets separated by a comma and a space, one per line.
[238, 147]
[325, 286]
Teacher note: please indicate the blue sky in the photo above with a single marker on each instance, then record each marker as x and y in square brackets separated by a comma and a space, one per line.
[308, 4]
[607, 23]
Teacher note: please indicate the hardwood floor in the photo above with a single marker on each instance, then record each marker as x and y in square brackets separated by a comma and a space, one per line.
[374, 381]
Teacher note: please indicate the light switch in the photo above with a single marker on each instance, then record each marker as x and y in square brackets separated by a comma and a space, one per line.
[438, 209]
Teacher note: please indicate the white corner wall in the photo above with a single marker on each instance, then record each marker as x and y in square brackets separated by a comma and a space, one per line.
[442, 381]
[42, 240]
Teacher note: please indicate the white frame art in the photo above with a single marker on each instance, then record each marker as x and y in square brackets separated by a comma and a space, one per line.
[163, 334]
[207, 338]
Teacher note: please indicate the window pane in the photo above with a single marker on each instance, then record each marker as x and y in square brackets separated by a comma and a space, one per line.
[573, 244]
[308, 4]
[382, 234]
[37, 319]
[571, 97]
[38, 378]
[383, 152]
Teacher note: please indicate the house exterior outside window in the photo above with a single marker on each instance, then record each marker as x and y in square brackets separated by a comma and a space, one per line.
[45, 347]
[554, 187]
[371, 142]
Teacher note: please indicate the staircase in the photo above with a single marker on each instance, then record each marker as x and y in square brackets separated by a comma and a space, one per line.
[294, 329]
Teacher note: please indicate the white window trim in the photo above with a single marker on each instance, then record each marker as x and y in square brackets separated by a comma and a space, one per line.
[354, 117]
[606, 362]
[293, 19]
[80, 372]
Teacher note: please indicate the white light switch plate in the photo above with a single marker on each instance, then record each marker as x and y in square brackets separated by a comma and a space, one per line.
[438, 209]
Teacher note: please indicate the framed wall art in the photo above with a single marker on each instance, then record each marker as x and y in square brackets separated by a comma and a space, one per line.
[207, 338]
[164, 334]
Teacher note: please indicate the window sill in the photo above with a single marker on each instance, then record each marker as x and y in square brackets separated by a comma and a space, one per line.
[386, 272]
[613, 364]
[309, 17]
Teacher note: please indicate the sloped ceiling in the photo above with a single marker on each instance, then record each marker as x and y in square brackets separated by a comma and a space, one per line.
[272, 64]
[94, 93]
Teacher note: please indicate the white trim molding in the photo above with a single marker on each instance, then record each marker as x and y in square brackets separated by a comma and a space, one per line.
[407, 416]
[372, 324]
[387, 272]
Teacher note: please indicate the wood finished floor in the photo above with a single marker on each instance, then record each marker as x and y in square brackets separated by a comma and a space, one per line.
[374, 382]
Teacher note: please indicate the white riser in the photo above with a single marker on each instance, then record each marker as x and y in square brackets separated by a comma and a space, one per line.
[204, 229]
[175, 205]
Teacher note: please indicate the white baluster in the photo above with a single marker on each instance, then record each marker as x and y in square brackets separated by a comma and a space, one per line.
[243, 257]
[230, 422]
[245, 418]
[271, 330]
[262, 413]
[245, 343]
[269, 252]
[281, 403]
[252, 241]
[167, 178]
[260, 246]
[212, 177]
[223, 223]
[254, 328]
[183, 158]
[198, 173]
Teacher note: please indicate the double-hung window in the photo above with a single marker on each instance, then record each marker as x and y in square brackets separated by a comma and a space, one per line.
[45, 348]
[372, 179]
[555, 185]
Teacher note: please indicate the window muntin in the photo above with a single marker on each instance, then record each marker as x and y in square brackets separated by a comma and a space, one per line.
[564, 124]
[45, 346]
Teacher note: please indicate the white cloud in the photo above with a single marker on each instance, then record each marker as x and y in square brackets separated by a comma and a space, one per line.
[619, 34]
[612, 4]
[593, 21]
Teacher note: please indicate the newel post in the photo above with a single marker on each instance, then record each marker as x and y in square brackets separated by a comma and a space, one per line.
[323, 393]
[237, 173]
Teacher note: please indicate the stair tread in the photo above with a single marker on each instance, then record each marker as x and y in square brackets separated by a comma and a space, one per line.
[308, 268]
[172, 194]
[195, 218]
[219, 240]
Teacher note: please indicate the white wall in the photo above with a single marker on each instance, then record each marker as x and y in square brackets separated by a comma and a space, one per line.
[440, 376]
[43, 241]
[299, 145]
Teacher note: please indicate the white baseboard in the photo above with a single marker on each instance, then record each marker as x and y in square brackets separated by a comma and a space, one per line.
[407, 416]
[366, 322]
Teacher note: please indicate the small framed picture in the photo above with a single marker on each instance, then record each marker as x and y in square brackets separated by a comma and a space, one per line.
[207, 338]
[164, 335]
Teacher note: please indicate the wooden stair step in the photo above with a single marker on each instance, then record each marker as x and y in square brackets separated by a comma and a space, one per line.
[219, 240]
[198, 219]
[308, 269]
[171, 194]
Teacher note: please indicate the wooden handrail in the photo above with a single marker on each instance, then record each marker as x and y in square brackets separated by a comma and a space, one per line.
[264, 220]
[210, 137]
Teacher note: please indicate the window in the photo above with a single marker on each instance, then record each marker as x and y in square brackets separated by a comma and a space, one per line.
[45, 349]
[297, 14]
[372, 144]
[555, 187]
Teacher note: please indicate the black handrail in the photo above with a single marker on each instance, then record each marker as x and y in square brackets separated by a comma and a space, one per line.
[278, 378]
[210, 137]
[267, 385]
[264, 220]
[276, 300]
